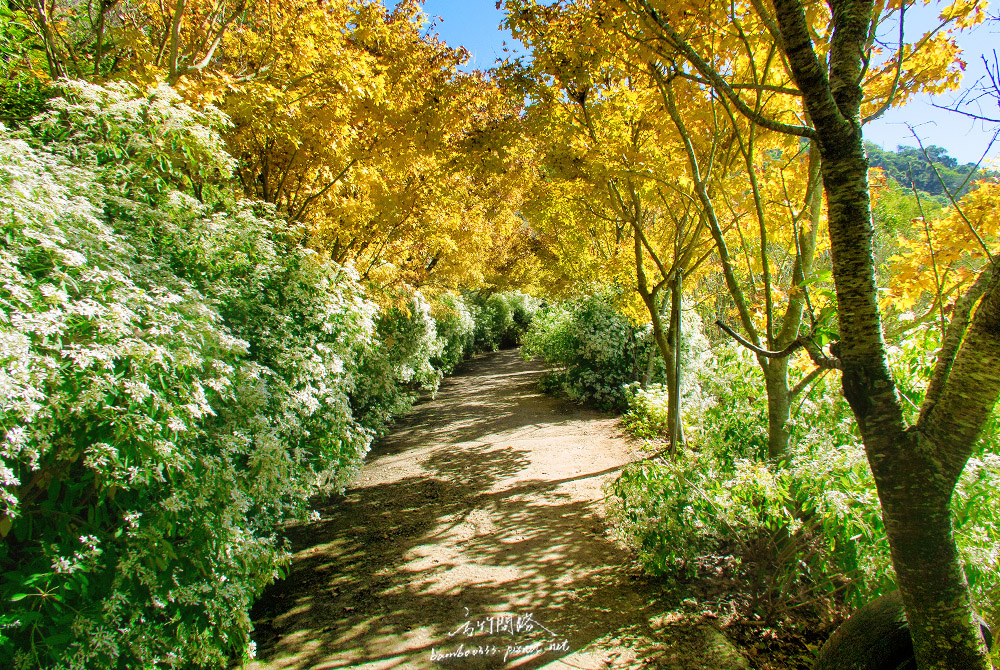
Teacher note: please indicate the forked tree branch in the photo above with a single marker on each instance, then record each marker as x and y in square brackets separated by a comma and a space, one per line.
[716, 80]
[816, 354]
[953, 338]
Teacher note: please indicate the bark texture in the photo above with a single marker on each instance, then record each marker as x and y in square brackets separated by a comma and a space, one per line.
[916, 470]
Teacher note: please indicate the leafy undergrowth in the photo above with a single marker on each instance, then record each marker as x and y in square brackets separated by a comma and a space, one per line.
[716, 595]
[776, 552]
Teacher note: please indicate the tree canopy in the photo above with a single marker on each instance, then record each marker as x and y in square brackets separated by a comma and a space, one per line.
[244, 234]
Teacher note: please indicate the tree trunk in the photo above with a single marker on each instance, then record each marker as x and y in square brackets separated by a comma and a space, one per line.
[917, 516]
[915, 475]
[674, 394]
[914, 490]
[664, 340]
[779, 403]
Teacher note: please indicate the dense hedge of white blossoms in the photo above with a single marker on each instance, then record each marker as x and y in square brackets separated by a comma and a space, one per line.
[594, 352]
[456, 327]
[177, 377]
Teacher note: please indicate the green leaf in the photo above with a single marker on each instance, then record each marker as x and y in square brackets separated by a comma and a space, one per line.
[58, 639]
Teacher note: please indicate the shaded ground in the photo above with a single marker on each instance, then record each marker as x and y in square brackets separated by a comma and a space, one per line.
[474, 538]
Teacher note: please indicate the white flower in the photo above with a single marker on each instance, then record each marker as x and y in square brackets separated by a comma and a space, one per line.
[15, 436]
[138, 391]
[99, 455]
[63, 565]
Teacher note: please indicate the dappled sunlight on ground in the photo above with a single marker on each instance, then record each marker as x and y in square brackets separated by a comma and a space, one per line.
[480, 511]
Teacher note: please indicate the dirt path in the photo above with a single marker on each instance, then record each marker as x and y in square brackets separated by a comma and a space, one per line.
[474, 538]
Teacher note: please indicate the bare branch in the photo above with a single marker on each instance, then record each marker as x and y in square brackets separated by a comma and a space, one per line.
[951, 196]
[819, 359]
[978, 117]
[990, 90]
[787, 351]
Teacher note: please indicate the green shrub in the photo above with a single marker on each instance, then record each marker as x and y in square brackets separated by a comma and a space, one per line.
[456, 328]
[648, 411]
[22, 94]
[596, 355]
[734, 421]
[397, 365]
[593, 351]
[493, 320]
[805, 532]
[523, 309]
[796, 539]
[501, 318]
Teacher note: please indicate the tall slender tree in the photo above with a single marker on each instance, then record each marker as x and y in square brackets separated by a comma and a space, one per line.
[829, 49]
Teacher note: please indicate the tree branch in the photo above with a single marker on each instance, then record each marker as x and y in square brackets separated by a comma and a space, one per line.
[808, 72]
[805, 381]
[884, 107]
[819, 359]
[969, 380]
[954, 335]
[715, 79]
[951, 196]
[787, 351]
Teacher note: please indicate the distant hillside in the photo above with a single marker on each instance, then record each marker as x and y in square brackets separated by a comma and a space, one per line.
[908, 165]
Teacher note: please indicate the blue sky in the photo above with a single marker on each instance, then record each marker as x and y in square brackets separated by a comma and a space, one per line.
[474, 24]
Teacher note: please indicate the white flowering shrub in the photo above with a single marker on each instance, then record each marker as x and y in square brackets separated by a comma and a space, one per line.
[178, 376]
[649, 407]
[397, 366]
[143, 145]
[456, 328]
[804, 532]
[594, 353]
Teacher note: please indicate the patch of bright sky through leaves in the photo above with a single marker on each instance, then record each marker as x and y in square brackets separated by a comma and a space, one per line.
[474, 24]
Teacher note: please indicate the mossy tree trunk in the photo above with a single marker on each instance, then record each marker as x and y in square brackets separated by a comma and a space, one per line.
[916, 468]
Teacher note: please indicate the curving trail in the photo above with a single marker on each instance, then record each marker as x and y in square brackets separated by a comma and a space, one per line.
[474, 533]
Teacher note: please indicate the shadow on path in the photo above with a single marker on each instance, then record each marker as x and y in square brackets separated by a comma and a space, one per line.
[474, 530]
